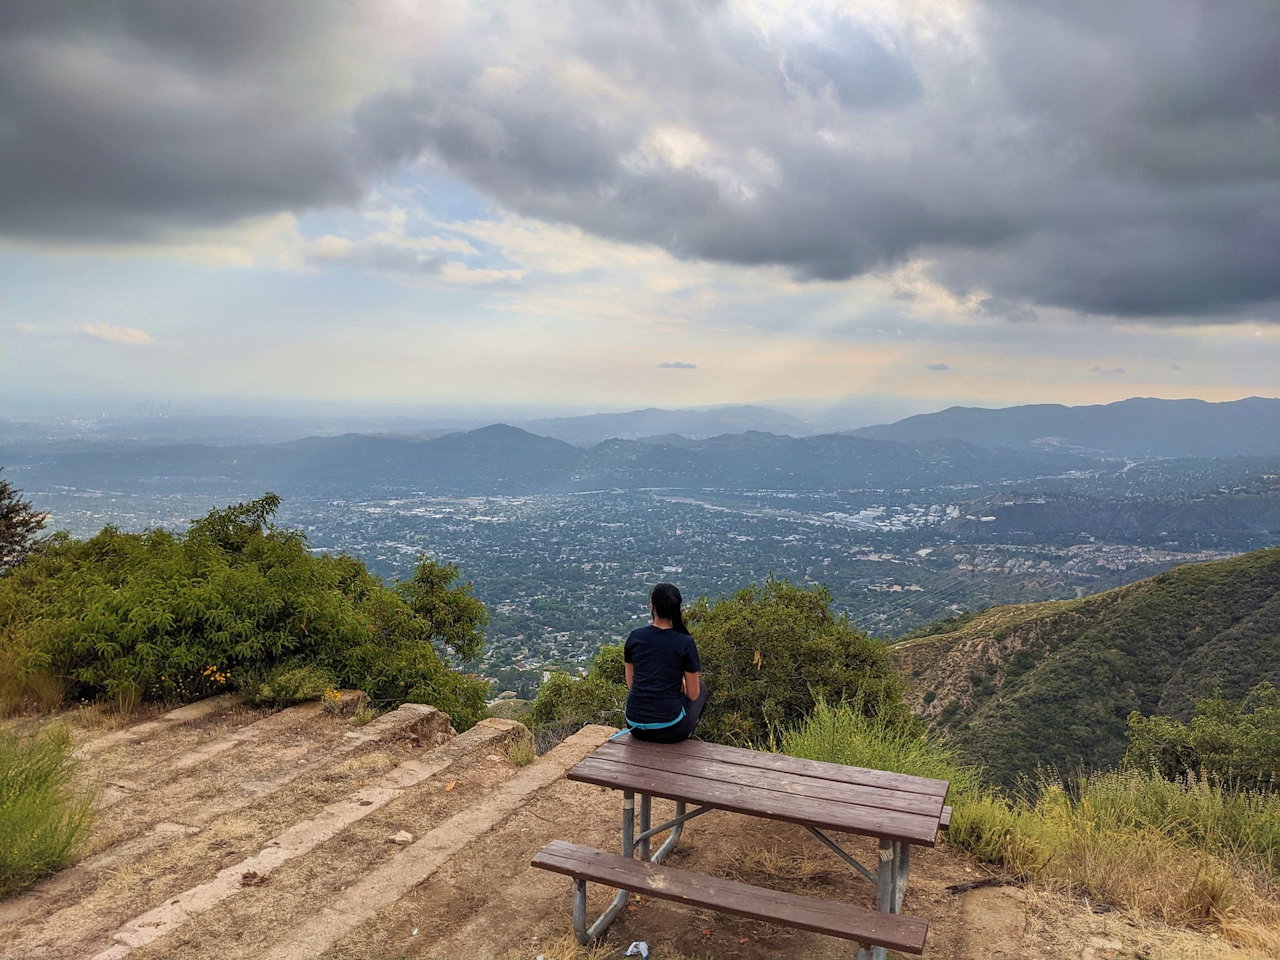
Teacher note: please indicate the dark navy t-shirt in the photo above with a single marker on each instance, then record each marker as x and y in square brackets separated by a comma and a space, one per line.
[661, 659]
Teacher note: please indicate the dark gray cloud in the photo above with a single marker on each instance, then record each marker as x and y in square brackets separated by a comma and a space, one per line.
[127, 119]
[1116, 159]
[939, 367]
[677, 365]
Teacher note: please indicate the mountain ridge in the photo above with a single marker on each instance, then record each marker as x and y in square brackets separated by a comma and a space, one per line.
[1138, 426]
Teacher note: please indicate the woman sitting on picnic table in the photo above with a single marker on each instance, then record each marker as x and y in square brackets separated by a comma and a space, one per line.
[662, 669]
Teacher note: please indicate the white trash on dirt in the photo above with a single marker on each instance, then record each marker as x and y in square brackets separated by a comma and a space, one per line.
[638, 949]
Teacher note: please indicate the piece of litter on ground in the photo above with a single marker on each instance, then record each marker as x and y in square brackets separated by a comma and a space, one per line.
[638, 949]
[404, 836]
[415, 932]
[450, 786]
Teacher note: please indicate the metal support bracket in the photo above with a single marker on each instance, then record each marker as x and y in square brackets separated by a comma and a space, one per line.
[842, 854]
[675, 822]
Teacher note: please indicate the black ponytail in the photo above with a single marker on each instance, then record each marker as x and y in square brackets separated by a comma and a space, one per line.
[666, 601]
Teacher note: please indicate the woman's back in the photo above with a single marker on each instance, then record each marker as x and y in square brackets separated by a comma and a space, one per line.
[666, 693]
[660, 659]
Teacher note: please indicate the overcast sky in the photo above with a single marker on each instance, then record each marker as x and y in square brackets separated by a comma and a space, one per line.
[618, 203]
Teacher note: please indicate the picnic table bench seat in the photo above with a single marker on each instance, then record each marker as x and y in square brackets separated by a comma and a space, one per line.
[872, 927]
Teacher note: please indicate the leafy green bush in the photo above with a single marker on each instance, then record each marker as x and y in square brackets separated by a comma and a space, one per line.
[565, 701]
[158, 615]
[291, 683]
[1233, 743]
[41, 821]
[770, 653]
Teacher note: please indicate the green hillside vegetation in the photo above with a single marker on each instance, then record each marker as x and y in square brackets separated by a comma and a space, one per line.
[1055, 683]
[233, 603]
[1234, 744]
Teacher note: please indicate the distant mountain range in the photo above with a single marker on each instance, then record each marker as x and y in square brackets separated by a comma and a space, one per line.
[690, 424]
[1053, 683]
[501, 459]
[1130, 428]
[1138, 427]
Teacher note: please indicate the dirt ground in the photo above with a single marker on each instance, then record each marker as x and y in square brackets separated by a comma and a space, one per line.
[491, 905]
[486, 902]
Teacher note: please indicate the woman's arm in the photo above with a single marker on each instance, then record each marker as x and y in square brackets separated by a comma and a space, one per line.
[692, 681]
[630, 670]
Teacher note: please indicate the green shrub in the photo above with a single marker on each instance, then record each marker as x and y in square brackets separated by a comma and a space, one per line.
[159, 616]
[609, 664]
[291, 683]
[770, 653]
[1236, 744]
[42, 822]
[571, 702]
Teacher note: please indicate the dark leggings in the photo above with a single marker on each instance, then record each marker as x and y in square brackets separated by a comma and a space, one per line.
[682, 730]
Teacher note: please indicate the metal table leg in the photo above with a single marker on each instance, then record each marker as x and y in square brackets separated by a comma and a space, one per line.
[589, 934]
[892, 871]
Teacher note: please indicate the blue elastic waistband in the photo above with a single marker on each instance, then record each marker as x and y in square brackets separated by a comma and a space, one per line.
[655, 726]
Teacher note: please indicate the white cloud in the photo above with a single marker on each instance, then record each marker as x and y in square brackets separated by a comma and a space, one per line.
[130, 336]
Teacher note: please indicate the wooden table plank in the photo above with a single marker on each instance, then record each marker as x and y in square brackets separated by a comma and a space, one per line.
[657, 757]
[804, 810]
[806, 913]
[784, 764]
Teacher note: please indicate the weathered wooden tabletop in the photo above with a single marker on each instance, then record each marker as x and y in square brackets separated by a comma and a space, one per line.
[826, 796]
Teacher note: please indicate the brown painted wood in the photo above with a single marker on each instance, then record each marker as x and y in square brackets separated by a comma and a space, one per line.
[760, 802]
[840, 773]
[656, 757]
[728, 896]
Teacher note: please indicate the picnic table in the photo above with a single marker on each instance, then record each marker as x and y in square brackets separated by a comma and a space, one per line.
[898, 810]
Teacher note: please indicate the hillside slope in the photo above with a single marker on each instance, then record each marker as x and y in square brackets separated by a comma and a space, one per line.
[1052, 683]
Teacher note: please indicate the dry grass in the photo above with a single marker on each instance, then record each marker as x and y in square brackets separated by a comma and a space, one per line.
[778, 865]
[103, 717]
[566, 948]
[521, 751]
[25, 689]
[1143, 871]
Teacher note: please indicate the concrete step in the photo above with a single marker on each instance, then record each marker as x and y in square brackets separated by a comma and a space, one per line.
[271, 726]
[131, 836]
[379, 889]
[139, 732]
[302, 838]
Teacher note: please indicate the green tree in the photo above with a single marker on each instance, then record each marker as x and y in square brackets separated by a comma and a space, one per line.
[770, 652]
[1233, 743]
[158, 615]
[20, 522]
[565, 703]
